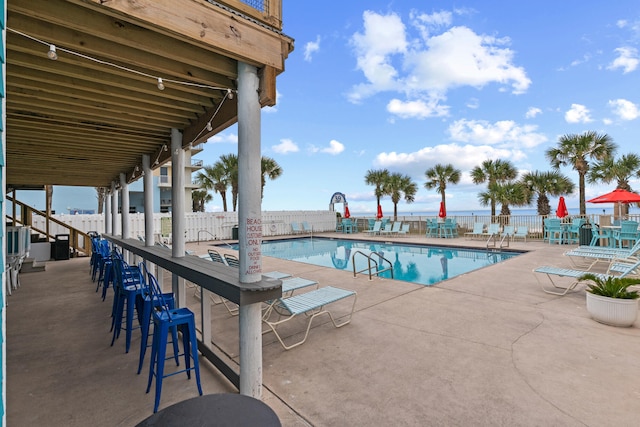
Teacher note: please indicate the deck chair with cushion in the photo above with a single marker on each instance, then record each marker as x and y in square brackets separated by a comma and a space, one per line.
[617, 268]
[308, 305]
[477, 232]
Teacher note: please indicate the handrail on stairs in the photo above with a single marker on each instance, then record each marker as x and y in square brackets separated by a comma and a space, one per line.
[79, 241]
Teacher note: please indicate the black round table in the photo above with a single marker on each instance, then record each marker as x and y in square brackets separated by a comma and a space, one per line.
[215, 410]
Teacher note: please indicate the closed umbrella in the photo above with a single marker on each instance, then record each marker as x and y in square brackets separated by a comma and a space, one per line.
[617, 196]
[379, 214]
[562, 208]
[347, 214]
[443, 211]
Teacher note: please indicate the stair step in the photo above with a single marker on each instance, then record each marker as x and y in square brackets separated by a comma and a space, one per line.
[30, 265]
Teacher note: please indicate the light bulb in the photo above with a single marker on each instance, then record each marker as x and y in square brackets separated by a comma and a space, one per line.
[209, 127]
[52, 52]
[160, 84]
[229, 93]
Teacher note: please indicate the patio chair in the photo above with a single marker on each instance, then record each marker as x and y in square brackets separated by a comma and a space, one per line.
[573, 230]
[478, 230]
[595, 254]
[521, 232]
[231, 260]
[376, 228]
[628, 232]
[386, 229]
[449, 228]
[395, 228]
[289, 286]
[432, 228]
[404, 230]
[508, 230]
[617, 268]
[310, 304]
[295, 227]
[553, 230]
[215, 256]
[492, 230]
[306, 227]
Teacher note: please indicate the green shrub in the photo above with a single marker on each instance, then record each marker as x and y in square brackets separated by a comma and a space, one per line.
[612, 287]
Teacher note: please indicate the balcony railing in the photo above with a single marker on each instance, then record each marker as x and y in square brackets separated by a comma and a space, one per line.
[266, 11]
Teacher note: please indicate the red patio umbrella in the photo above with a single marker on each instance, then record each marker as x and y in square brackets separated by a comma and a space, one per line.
[562, 208]
[443, 211]
[379, 215]
[347, 214]
[617, 196]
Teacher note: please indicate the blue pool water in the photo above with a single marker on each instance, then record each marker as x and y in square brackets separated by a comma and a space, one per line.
[421, 264]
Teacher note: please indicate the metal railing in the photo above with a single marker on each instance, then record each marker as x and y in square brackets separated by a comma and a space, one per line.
[370, 267]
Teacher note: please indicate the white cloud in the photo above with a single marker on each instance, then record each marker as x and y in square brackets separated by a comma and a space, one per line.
[223, 138]
[532, 112]
[310, 48]
[504, 133]
[426, 67]
[473, 103]
[627, 59]
[286, 146]
[578, 114]
[334, 148]
[463, 157]
[416, 109]
[625, 110]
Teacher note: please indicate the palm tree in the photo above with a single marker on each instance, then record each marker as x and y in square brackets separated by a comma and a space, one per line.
[397, 185]
[493, 172]
[439, 176]
[576, 151]
[229, 163]
[377, 178]
[621, 171]
[101, 194]
[546, 184]
[214, 178]
[508, 193]
[199, 198]
[270, 169]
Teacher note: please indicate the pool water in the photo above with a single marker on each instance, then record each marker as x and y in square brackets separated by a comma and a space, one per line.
[420, 264]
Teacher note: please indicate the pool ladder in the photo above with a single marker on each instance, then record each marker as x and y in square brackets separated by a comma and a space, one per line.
[372, 264]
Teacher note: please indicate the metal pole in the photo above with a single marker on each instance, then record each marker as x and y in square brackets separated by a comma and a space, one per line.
[249, 226]
[178, 222]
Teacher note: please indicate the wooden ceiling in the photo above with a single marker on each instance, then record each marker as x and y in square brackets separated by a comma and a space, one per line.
[90, 115]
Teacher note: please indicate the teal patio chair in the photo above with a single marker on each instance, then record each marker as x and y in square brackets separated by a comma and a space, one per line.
[432, 228]
[628, 232]
[477, 232]
[521, 232]
[573, 230]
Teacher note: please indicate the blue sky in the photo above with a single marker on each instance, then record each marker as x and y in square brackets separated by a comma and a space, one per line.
[406, 85]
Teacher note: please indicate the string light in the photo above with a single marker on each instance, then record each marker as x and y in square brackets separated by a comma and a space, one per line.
[52, 55]
[209, 127]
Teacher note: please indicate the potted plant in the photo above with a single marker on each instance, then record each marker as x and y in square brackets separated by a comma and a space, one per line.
[610, 301]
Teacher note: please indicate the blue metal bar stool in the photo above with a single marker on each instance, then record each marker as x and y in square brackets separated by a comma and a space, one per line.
[148, 303]
[163, 319]
[128, 286]
[104, 267]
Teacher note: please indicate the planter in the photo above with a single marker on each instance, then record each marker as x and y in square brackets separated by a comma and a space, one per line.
[612, 311]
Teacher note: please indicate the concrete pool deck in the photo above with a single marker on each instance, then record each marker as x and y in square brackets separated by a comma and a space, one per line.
[485, 348]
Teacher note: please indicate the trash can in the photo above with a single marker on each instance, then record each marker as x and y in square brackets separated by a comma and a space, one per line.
[586, 234]
[60, 248]
[234, 233]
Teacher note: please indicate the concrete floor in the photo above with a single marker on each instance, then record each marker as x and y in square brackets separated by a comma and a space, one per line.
[486, 348]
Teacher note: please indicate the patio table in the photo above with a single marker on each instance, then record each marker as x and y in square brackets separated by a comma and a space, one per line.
[224, 409]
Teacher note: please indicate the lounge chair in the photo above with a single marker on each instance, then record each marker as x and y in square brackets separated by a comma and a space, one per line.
[289, 286]
[306, 227]
[395, 228]
[508, 230]
[404, 230]
[376, 228]
[231, 260]
[617, 268]
[521, 233]
[216, 257]
[492, 229]
[311, 304]
[386, 229]
[477, 232]
[295, 227]
[594, 254]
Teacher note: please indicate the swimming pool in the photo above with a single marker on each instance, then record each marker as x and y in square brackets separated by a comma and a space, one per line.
[420, 264]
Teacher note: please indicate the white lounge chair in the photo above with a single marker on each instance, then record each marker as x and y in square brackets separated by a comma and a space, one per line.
[306, 227]
[404, 230]
[395, 228]
[617, 268]
[311, 304]
[521, 233]
[295, 227]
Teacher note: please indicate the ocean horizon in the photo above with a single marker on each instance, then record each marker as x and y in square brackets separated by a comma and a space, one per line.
[472, 212]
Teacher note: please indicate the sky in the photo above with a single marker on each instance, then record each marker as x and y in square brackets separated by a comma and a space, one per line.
[405, 85]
